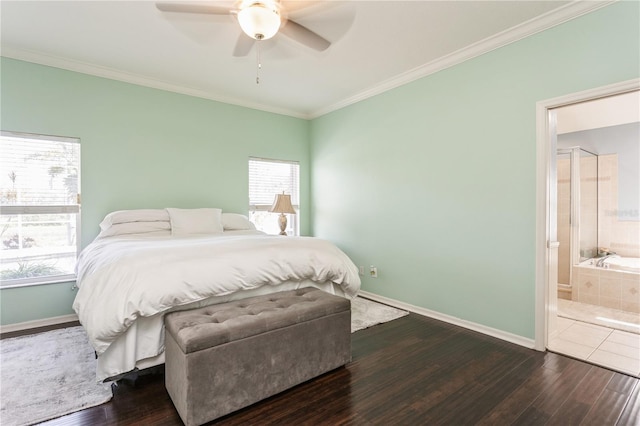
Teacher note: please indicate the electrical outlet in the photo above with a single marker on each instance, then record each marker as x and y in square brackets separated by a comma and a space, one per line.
[361, 270]
[373, 272]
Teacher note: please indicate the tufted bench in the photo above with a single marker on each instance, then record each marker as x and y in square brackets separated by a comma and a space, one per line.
[221, 358]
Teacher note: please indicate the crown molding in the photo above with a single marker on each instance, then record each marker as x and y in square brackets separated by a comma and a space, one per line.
[556, 17]
[113, 74]
[511, 35]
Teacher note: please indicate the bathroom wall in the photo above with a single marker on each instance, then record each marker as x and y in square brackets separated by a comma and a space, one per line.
[621, 236]
[618, 187]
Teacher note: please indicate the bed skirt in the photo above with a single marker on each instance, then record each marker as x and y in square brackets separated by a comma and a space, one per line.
[142, 345]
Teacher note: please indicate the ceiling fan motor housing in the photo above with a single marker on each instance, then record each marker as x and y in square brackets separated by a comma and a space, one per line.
[260, 20]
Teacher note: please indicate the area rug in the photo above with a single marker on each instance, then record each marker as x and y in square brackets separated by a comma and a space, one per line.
[366, 313]
[47, 375]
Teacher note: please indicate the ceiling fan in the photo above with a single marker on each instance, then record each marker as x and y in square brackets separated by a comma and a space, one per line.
[258, 19]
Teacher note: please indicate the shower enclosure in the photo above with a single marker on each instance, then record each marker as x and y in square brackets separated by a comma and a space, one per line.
[577, 191]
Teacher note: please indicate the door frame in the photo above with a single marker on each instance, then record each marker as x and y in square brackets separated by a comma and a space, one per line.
[546, 223]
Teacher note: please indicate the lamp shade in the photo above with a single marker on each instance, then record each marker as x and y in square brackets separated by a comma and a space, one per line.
[259, 21]
[282, 204]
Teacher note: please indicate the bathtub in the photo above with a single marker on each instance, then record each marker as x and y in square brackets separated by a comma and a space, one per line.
[614, 285]
[628, 264]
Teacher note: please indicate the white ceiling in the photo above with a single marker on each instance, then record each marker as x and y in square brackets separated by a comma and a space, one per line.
[376, 45]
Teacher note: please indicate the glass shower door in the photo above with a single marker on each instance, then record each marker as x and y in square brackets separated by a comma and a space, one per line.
[588, 211]
[564, 217]
[577, 204]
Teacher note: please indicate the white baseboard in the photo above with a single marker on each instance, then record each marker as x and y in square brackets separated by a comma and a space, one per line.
[27, 325]
[503, 335]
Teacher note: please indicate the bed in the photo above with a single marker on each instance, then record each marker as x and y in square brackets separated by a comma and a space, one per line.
[145, 263]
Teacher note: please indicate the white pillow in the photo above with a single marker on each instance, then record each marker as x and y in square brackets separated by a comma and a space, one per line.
[145, 228]
[195, 221]
[138, 215]
[236, 222]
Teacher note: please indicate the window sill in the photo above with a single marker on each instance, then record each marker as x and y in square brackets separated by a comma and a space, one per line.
[34, 282]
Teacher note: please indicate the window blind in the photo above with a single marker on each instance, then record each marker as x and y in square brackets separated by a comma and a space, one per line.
[270, 177]
[38, 172]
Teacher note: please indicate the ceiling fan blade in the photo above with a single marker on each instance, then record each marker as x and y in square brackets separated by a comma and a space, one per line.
[192, 8]
[243, 45]
[293, 6]
[304, 35]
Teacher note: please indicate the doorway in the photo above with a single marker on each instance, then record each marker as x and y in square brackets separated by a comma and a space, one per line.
[567, 240]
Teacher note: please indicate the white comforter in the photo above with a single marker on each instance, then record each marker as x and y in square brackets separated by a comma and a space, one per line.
[121, 279]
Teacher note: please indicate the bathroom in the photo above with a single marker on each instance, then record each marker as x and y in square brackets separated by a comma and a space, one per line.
[598, 225]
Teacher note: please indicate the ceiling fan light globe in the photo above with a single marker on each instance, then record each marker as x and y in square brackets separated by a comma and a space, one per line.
[259, 22]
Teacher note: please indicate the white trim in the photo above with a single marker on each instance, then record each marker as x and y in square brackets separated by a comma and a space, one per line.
[27, 325]
[35, 281]
[35, 136]
[543, 226]
[273, 160]
[548, 20]
[493, 332]
[43, 209]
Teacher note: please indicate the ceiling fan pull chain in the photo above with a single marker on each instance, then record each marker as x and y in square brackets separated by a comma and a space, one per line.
[258, 62]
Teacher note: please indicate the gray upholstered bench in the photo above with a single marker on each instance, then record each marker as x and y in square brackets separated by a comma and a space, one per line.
[221, 358]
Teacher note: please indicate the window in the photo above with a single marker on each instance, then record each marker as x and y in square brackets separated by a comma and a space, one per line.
[266, 179]
[39, 208]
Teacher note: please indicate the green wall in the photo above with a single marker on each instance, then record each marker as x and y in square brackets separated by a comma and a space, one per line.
[141, 148]
[434, 182]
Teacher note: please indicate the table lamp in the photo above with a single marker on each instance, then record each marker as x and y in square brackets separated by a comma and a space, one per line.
[282, 205]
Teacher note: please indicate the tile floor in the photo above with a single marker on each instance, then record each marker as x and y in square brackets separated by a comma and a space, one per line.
[610, 348]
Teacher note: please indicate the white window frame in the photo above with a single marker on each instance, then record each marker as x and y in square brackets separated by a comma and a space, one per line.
[44, 209]
[293, 222]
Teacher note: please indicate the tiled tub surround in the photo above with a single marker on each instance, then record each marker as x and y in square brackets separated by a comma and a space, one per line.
[606, 287]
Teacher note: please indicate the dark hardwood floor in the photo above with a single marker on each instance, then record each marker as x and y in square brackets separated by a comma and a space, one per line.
[414, 371]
